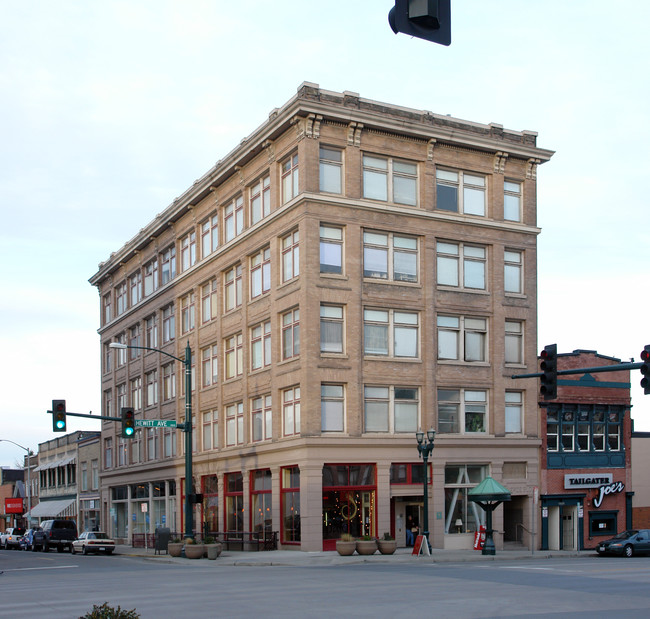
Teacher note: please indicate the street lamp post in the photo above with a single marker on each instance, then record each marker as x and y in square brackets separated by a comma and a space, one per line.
[186, 427]
[30, 453]
[424, 449]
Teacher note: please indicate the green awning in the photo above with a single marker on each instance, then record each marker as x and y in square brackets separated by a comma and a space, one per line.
[489, 490]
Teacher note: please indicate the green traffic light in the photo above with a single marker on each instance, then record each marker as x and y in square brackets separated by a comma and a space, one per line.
[128, 431]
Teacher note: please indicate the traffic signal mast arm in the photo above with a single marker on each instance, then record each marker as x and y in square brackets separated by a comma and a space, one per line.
[595, 370]
[180, 426]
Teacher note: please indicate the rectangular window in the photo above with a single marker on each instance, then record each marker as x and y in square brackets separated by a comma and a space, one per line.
[290, 178]
[261, 416]
[151, 331]
[120, 299]
[511, 201]
[462, 411]
[291, 411]
[514, 409]
[210, 430]
[514, 342]
[169, 324]
[291, 334]
[512, 272]
[234, 356]
[188, 315]
[209, 236]
[150, 277]
[290, 256]
[168, 265]
[584, 428]
[233, 288]
[462, 338]
[234, 491]
[461, 514]
[261, 346]
[460, 192]
[390, 256]
[106, 304]
[391, 333]
[151, 379]
[330, 170]
[461, 266]
[209, 366]
[260, 199]
[108, 358]
[209, 301]
[235, 424]
[262, 520]
[332, 407]
[108, 453]
[290, 504]
[121, 352]
[233, 218]
[136, 393]
[135, 284]
[391, 409]
[390, 180]
[169, 381]
[169, 443]
[108, 402]
[331, 329]
[135, 341]
[260, 272]
[188, 251]
[331, 250]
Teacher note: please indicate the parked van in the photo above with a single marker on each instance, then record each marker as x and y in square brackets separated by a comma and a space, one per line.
[59, 534]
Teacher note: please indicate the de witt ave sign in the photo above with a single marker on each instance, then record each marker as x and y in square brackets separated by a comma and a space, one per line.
[155, 423]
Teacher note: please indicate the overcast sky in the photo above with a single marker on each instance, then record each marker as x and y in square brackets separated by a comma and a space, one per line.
[111, 109]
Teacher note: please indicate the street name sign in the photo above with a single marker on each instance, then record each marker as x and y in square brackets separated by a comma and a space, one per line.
[155, 423]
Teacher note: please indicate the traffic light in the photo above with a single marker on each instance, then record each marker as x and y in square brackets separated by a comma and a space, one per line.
[425, 19]
[128, 422]
[645, 369]
[58, 416]
[548, 382]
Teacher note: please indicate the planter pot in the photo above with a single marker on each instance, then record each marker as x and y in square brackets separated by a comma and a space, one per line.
[345, 548]
[175, 549]
[387, 546]
[213, 550]
[194, 551]
[366, 547]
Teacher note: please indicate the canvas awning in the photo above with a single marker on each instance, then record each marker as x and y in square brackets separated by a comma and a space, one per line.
[55, 464]
[53, 509]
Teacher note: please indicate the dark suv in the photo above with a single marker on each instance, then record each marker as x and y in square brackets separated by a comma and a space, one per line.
[58, 534]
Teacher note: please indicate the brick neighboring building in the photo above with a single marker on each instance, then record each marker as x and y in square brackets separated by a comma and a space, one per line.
[351, 272]
[641, 480]
[586, 491]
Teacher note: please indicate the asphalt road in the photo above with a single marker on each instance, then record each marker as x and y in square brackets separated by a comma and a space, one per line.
[53, 586]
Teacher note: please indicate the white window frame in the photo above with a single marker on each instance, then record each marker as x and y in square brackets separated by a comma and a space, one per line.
[513, 270]
[291, 334]
[209, 305]
[260, 345]
[465, 185]
[233, 218]
[151, 380]
[209, 366]
[332, 317]
[464, 330]
[291, 411]
[210, 430]
[261, 418]
[232, 288]
[332, 406]
[512, 194]
[396, 324]
[514, 407]
[331, 244]
[233, 356]
[188, 313]
[330, 166]
[209, 235]
[150, 277]
[167, 265]
[290, 256]
[458, 259]
[395, 178]
[290, 174]
[377, 244]
[260, 199]
[384, 400]
[514, 342]
[188, 251]
[466, 403]
[235, 424]
[260, 272]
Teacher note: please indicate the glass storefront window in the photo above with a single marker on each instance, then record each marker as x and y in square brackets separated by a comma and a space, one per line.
[290, 504]
[459, 479]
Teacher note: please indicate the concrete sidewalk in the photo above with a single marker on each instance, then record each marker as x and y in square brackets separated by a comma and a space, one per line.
[297, 558]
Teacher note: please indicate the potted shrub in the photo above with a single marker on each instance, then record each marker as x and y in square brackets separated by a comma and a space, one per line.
[175, 547]
[367, 545]
[212, 548]
[346, 545]
[193, 550]
[387, 545]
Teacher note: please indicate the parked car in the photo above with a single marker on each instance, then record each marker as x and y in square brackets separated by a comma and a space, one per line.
[93, 541]
[11, 538]
[627, 543]
[33, 539]
[59, 534]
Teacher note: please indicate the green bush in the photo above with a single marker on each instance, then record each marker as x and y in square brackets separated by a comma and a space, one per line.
[107, 612]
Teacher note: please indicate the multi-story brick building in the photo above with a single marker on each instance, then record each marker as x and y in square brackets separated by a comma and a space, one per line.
[352, 271]
[586, 482]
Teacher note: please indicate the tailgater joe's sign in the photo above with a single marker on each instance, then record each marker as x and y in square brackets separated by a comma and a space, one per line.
[13, 506]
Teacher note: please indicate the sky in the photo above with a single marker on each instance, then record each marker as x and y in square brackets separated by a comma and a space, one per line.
[111, 109]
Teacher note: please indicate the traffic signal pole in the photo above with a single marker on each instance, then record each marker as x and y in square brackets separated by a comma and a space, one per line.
[594, 370]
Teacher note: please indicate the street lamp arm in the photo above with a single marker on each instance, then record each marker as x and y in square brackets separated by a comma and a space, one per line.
[29, 451]
[125, 346]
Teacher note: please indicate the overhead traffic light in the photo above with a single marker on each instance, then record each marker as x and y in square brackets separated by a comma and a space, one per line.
[645, 369]
[128, 422]
[58, 416]
[548, 382]
[424, 19]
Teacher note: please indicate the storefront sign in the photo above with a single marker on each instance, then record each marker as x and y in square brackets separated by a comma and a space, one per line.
[587, 481]
[14, 506]
[613, 488]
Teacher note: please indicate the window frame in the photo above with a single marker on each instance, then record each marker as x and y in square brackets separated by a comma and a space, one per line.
[260, 272]
[233, 356]
[291, 411]
[335, 168]
[514, 191]
[393, 328]
[332, 320]
[261, 408]
[462, 189]
[188, 250]
[233, 288]
[234, 415]
[463, 331]
[388, 398]
[393, 178]
[290, 328]
[260, 343]
[260, 199]
[463, 260]
[513, 269]
[290, 256]
[463, 406]
[371, 243]
[209, 235]
[329, 399]
[329, 243]
[290, 177]
[513, 342]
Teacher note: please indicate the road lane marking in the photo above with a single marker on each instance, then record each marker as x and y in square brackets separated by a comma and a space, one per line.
[33, 569]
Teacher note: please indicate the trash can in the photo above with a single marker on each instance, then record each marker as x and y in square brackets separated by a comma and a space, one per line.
[161, 539]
